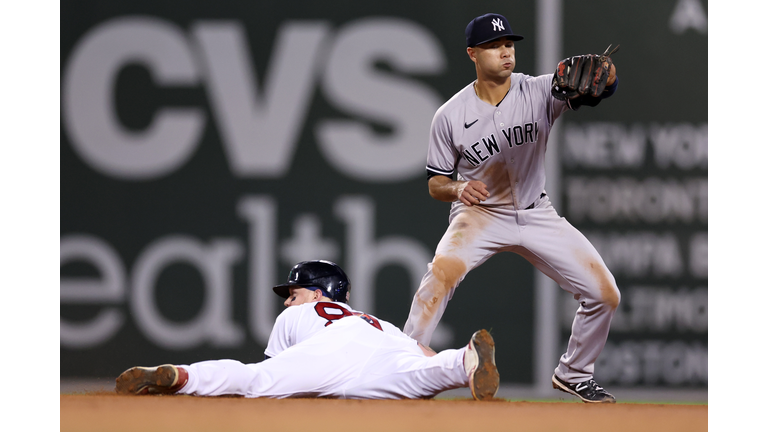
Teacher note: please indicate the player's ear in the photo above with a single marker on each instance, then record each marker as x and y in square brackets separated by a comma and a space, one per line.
[471, 54]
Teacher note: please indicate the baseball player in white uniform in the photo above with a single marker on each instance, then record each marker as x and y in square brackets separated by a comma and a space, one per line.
[320, 347]
[493, 136]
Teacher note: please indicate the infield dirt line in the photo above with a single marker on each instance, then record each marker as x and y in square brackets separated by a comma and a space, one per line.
[109, 412]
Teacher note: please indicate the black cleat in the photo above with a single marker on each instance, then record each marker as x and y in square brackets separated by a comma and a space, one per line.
[588, 391]
[480, 366]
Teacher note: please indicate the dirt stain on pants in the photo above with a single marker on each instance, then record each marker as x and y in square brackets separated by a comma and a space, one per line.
[446, 270]
[608, 289]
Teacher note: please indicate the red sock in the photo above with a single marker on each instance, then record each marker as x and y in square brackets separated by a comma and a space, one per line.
[182, 380]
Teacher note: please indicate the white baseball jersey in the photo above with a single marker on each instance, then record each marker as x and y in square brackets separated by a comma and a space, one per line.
[326, 349]
[504, 146]
[298, 323]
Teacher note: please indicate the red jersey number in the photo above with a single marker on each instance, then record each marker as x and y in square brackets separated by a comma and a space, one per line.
[323, 310]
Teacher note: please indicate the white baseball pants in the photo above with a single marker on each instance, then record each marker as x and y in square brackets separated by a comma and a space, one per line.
[349, 359]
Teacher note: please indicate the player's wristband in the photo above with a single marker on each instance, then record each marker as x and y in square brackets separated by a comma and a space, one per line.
[610, 90]
[576, 103]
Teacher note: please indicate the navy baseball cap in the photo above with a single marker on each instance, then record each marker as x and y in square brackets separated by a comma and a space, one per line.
[488, 27]
[318, 275]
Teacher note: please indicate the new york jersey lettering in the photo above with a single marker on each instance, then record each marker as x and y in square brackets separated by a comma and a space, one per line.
[519, 135]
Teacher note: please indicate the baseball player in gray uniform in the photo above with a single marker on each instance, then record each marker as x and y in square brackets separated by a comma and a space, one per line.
[320, 347]
[493, 136]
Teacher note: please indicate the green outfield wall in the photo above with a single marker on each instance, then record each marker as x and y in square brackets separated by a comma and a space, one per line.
[208, 146]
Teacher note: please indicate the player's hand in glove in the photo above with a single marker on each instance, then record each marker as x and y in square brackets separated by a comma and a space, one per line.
[583, 76]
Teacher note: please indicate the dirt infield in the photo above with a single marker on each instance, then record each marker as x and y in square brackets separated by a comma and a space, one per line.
[110, 412]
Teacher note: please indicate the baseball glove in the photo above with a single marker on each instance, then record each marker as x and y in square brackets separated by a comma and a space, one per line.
[583, 75]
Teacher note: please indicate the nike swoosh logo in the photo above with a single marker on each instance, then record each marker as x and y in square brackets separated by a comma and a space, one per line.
[467, 125]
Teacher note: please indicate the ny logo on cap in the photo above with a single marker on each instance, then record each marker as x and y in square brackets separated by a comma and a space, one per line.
[497, 24]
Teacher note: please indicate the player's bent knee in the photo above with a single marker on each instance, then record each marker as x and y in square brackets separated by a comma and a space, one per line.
[610, 296]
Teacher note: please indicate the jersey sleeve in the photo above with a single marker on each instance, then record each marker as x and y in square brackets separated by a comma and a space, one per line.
[282, 336]
[441, 154]
[384, 326]
[391, 329]
[555, 107]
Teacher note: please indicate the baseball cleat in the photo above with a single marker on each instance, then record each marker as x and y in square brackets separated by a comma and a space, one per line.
[165, 379]
[480, 366]
[588, 391]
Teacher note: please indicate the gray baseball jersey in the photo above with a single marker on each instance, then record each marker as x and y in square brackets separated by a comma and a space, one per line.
[503, 146]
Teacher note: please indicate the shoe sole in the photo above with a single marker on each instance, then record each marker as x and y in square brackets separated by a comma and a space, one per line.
[145, 380]
[557, 385]
[484, 381]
